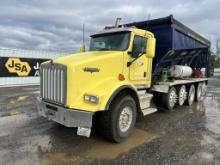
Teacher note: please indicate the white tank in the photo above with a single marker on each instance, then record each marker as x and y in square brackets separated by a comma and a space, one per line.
[180, 71]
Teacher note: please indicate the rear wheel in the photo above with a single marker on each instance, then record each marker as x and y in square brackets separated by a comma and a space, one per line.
[199, 92]
[169, 99]
[118, 122]
[157, 96]
[191, 95]
[181, 94]
[204, 89]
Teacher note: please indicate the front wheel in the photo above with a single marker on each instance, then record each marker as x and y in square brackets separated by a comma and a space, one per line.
[118, 122]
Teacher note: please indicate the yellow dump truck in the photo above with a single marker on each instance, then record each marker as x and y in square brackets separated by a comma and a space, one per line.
[116, 79]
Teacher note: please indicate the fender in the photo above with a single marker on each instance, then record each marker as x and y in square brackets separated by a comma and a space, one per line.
[106, 91]
[117, 91]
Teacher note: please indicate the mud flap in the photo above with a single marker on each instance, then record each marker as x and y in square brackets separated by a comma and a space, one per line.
[83, 131]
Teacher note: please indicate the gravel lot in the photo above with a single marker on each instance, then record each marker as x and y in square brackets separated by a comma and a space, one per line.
[188, 135]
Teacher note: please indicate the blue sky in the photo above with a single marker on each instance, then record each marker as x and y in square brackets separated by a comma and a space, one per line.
[56, 25]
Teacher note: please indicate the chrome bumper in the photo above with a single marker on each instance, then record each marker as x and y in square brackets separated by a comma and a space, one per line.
[64, 116]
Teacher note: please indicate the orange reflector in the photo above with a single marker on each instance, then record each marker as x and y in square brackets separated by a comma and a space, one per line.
[121, 77]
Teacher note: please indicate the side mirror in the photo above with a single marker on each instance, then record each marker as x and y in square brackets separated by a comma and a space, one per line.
[82, 48]
[151, 45]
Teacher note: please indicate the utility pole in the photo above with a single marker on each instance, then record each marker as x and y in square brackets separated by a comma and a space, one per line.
[83, 34]
[83, 47]
[218, 50]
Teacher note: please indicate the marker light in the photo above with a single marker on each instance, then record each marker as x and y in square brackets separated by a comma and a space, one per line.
[121, 77]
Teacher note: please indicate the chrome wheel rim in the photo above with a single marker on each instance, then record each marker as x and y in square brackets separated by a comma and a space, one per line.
[172, 98]
[204, 89]
[199, 92]
[125, 119]
[182, 95]
[191, 95]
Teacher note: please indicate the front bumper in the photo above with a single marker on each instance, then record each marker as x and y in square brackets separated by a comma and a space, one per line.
[65, 116]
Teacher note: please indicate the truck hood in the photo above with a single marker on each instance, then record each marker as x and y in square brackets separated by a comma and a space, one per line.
[85, 57]
[87, 72]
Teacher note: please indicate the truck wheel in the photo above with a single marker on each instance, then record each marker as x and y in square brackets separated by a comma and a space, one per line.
[169, 99]
[181, 94]
[199, 92]
[191, 95]
[204, 89]
[118, 122]
[157, 96]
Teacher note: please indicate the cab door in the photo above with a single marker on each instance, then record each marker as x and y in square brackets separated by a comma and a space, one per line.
[138, 71]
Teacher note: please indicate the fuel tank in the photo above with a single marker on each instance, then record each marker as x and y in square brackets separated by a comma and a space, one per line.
[180, 71]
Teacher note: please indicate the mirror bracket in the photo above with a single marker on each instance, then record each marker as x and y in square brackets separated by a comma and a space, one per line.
[129, 52]
[129, 63]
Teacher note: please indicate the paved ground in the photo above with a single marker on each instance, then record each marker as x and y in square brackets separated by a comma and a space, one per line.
[189, 135]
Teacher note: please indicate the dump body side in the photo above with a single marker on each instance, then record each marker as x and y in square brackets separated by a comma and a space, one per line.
[171, 35]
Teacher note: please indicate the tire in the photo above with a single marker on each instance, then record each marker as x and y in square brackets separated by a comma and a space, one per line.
[157, 98]
[169, 99]
[199, 92]
[118, 122]
[204, 89]
[182, 94]
[191, 95]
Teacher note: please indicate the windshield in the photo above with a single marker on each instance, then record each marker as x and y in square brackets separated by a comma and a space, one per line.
[111, 41]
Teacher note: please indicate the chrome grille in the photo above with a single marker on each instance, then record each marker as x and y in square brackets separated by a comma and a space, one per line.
[53, 79]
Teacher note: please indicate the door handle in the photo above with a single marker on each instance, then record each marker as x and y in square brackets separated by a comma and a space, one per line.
[140, 63]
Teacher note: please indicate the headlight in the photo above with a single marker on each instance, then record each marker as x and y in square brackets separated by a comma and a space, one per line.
[91, 98]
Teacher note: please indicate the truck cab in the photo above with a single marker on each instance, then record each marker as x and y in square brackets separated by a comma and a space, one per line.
[104, 79]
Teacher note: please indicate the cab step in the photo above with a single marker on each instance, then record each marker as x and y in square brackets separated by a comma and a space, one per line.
[148, 111]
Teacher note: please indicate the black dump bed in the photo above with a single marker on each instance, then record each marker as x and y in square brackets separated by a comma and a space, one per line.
[176, 44]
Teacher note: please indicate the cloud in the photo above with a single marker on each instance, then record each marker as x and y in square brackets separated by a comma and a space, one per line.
[57, 25]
